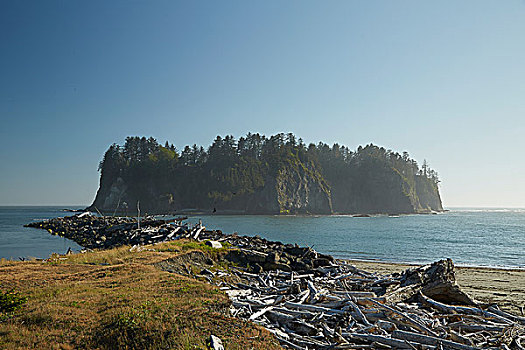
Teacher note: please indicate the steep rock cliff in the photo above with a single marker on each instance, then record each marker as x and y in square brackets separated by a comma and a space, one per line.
[301, 190]
[378, 192]
[428, 194]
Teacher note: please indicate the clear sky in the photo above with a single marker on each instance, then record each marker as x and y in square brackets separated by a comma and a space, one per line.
[443, 80]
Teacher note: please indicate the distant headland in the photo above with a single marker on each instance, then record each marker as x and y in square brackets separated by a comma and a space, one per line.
[256, 174]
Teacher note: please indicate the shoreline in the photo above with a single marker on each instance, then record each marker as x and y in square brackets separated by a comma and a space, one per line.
[226, 212]
[409, 264]
[157, 221]
[502, 286]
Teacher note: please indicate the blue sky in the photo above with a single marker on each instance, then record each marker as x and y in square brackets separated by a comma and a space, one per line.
[443, 80]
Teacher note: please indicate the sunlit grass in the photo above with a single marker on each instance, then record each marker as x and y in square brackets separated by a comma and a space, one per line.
[118, 299]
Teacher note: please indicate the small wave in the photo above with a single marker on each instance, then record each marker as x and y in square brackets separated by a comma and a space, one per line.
[487, 210]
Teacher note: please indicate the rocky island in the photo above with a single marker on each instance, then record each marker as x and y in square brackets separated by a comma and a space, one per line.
[256, 174]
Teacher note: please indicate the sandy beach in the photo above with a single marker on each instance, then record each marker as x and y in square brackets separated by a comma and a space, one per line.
[505, 287]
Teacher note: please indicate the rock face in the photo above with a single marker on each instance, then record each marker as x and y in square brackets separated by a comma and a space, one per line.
[115, 193]
[373, 187]
[382, 192]
[428, 194]
[295, 190]
[301, 190]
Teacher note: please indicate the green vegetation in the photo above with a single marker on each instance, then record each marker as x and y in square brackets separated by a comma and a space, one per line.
[10, 301]
[119, 299]
[259, 174]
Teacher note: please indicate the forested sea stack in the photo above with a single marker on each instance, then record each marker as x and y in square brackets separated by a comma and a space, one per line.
[263, 175]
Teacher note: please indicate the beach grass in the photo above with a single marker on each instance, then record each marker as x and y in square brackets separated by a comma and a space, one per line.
[119, 299]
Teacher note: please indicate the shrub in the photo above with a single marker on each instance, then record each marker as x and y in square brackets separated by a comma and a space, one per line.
[11, 300]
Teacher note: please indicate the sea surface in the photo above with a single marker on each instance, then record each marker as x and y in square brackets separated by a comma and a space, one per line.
[475, 237]
[472, 237]
[17, 241]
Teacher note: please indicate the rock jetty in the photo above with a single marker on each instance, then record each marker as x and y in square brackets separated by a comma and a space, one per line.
[104, 232]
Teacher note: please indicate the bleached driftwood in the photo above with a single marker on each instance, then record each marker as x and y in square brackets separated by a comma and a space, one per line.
[317, 311]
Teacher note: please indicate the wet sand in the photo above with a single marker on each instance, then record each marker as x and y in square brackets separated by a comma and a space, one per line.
[505, 287]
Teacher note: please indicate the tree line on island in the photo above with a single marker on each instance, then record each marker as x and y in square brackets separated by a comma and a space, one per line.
[256, 174]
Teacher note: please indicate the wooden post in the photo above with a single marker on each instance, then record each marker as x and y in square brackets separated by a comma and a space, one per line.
[99, 213]
[118, 204]
[138, 215]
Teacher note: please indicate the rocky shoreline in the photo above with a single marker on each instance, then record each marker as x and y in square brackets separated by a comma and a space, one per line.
[311, 300]
[96, 232]
[104, 232]
[220, 212]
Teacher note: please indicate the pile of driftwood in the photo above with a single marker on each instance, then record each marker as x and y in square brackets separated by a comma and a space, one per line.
[312, 301]
[92, 231]
[341, 307]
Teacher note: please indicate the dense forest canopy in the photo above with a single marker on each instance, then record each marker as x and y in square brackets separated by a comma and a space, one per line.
[231, 173]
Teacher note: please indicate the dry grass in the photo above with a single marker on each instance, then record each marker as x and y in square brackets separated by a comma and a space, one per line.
[118, 299]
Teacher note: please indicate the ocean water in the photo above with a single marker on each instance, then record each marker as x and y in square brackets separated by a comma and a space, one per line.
[17, 241]
[478, 237]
